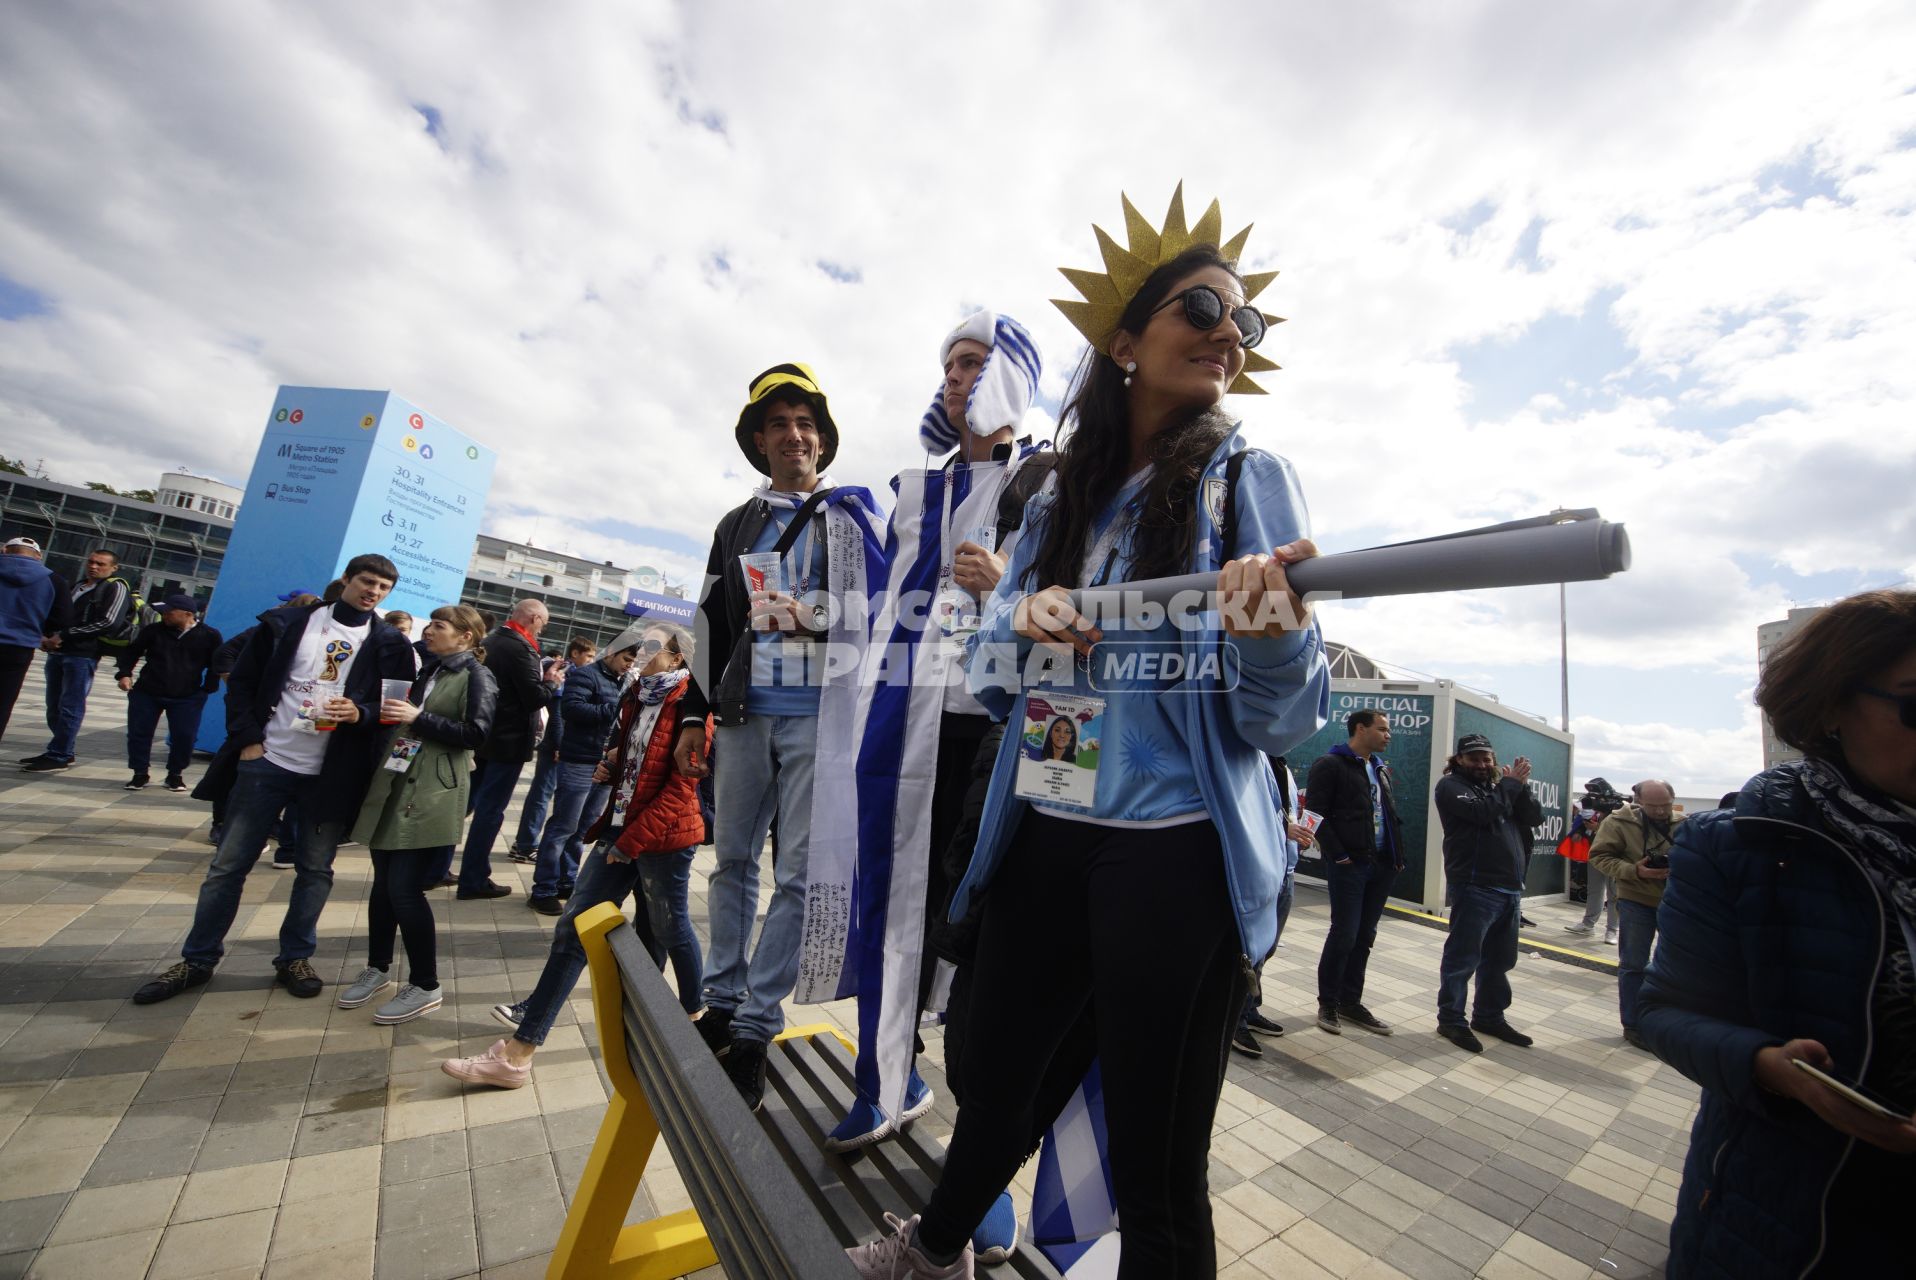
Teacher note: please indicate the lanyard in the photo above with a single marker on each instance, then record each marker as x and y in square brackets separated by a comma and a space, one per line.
[1098, 561]
[804, 551]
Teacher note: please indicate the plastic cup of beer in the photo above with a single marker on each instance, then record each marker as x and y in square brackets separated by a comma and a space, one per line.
[393, 691]
[323, 692]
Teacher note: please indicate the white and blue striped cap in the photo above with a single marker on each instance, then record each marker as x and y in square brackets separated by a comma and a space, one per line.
[1005, 388]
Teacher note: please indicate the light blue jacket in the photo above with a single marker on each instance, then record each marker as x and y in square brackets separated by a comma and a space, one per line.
[1282, 697]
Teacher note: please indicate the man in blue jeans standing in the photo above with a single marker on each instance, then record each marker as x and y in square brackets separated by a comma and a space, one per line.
[1487, 814]
[1632, 848]
[512, 655]
[588, 709]
[761, 670]
[302, 724]
[1350, 789]
[178, 651]
[545, 761]
[97, 611]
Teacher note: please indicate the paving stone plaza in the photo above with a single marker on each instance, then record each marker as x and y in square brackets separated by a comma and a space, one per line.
[238, 1131]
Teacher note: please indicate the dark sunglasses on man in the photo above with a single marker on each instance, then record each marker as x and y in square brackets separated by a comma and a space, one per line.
[1905, 703]
[1204, 308]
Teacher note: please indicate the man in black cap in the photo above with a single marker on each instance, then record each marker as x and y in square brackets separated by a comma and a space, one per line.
[178, 675]
[770, 589]
[1486, 815]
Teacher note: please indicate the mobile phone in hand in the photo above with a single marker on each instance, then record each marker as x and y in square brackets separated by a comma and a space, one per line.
[1856, 1093]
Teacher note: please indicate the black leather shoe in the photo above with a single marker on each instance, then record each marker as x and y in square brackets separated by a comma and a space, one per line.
[544, 906]
[1505, 1032]
[1263, 1025]
[1460, 1036]
[490, 890]
[1242, 1041]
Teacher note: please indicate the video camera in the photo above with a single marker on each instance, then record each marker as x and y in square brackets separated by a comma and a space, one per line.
[1600, 797]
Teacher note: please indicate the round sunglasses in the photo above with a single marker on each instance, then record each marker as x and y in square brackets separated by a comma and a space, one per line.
[1204, 308]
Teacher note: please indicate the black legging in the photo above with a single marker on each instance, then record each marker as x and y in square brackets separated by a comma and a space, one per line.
[400, 880]
[1136, 926]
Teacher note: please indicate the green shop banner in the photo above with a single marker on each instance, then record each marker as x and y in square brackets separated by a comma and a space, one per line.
[1411, 722]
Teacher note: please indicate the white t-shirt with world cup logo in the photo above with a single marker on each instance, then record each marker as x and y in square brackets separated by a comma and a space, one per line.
[326, 652]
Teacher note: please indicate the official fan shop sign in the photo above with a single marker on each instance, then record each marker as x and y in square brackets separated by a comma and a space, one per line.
[340, 473]
[1412, 716]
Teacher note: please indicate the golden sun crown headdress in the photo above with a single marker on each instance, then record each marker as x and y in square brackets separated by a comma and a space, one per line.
[1107, 293]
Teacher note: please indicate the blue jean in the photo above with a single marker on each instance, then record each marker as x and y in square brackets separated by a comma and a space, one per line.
[668, 894]
[182, 725]
[262, 791]
[1359, 890]
[600, 880]
[1637, 929]
[1483, 941]
[492, 784]
[69, 681]
[577, 803]
[768, 769]
[532, 816]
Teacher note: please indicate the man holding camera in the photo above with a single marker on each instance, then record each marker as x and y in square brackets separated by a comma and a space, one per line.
[1632, 848]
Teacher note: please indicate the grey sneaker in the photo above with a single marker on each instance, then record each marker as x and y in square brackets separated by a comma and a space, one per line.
[368, 984]
[510, 1014]
[896, 1257]
[1583, 928]
[1609, 937]
[411, 1002]
[1327, 1019]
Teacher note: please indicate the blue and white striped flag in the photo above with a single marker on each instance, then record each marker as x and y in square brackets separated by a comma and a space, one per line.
[1074, 1213]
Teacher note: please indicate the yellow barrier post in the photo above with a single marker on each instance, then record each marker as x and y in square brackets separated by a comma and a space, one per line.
[595, 1241]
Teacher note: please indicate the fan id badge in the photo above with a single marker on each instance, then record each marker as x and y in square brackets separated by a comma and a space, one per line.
[400, 756]
[1059, 749]
[955, 612]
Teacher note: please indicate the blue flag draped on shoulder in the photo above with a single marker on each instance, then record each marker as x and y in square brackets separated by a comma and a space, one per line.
[912, 678]
[856, 563]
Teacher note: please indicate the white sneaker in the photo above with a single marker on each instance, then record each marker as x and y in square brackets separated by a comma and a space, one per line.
[368, 984]
[1609, 937]
[894, 1257]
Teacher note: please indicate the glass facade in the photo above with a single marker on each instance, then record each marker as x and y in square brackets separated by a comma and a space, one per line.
[162, 549]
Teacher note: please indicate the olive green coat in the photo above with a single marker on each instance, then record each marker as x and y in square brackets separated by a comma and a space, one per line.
[425, 807]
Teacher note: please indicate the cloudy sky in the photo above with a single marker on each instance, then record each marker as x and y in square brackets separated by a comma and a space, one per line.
[1656, 259]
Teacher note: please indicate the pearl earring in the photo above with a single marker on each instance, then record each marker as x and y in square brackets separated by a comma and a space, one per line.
[1130, 368]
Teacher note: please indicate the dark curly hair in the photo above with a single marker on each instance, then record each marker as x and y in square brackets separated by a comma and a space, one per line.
[1094, 460]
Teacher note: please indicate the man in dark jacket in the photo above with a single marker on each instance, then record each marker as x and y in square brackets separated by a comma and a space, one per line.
[99, 609]
[1350, 788]
[178, 651]
[512, 655]
[579, 652]
[1633, 850]
[1485, 815]
[28, 595]
[302, 723]
[588, 709]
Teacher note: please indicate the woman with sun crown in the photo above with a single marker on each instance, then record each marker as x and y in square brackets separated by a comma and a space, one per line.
[1095, 906]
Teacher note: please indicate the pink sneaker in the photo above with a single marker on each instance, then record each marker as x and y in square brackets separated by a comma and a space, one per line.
[489, 1067]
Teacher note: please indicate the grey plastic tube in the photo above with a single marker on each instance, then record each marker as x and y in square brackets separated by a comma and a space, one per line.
[1579, 551]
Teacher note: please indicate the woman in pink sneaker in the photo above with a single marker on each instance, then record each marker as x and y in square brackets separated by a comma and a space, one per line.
[644, 843]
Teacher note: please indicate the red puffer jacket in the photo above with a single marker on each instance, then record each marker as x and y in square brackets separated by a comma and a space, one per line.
[663, 815]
